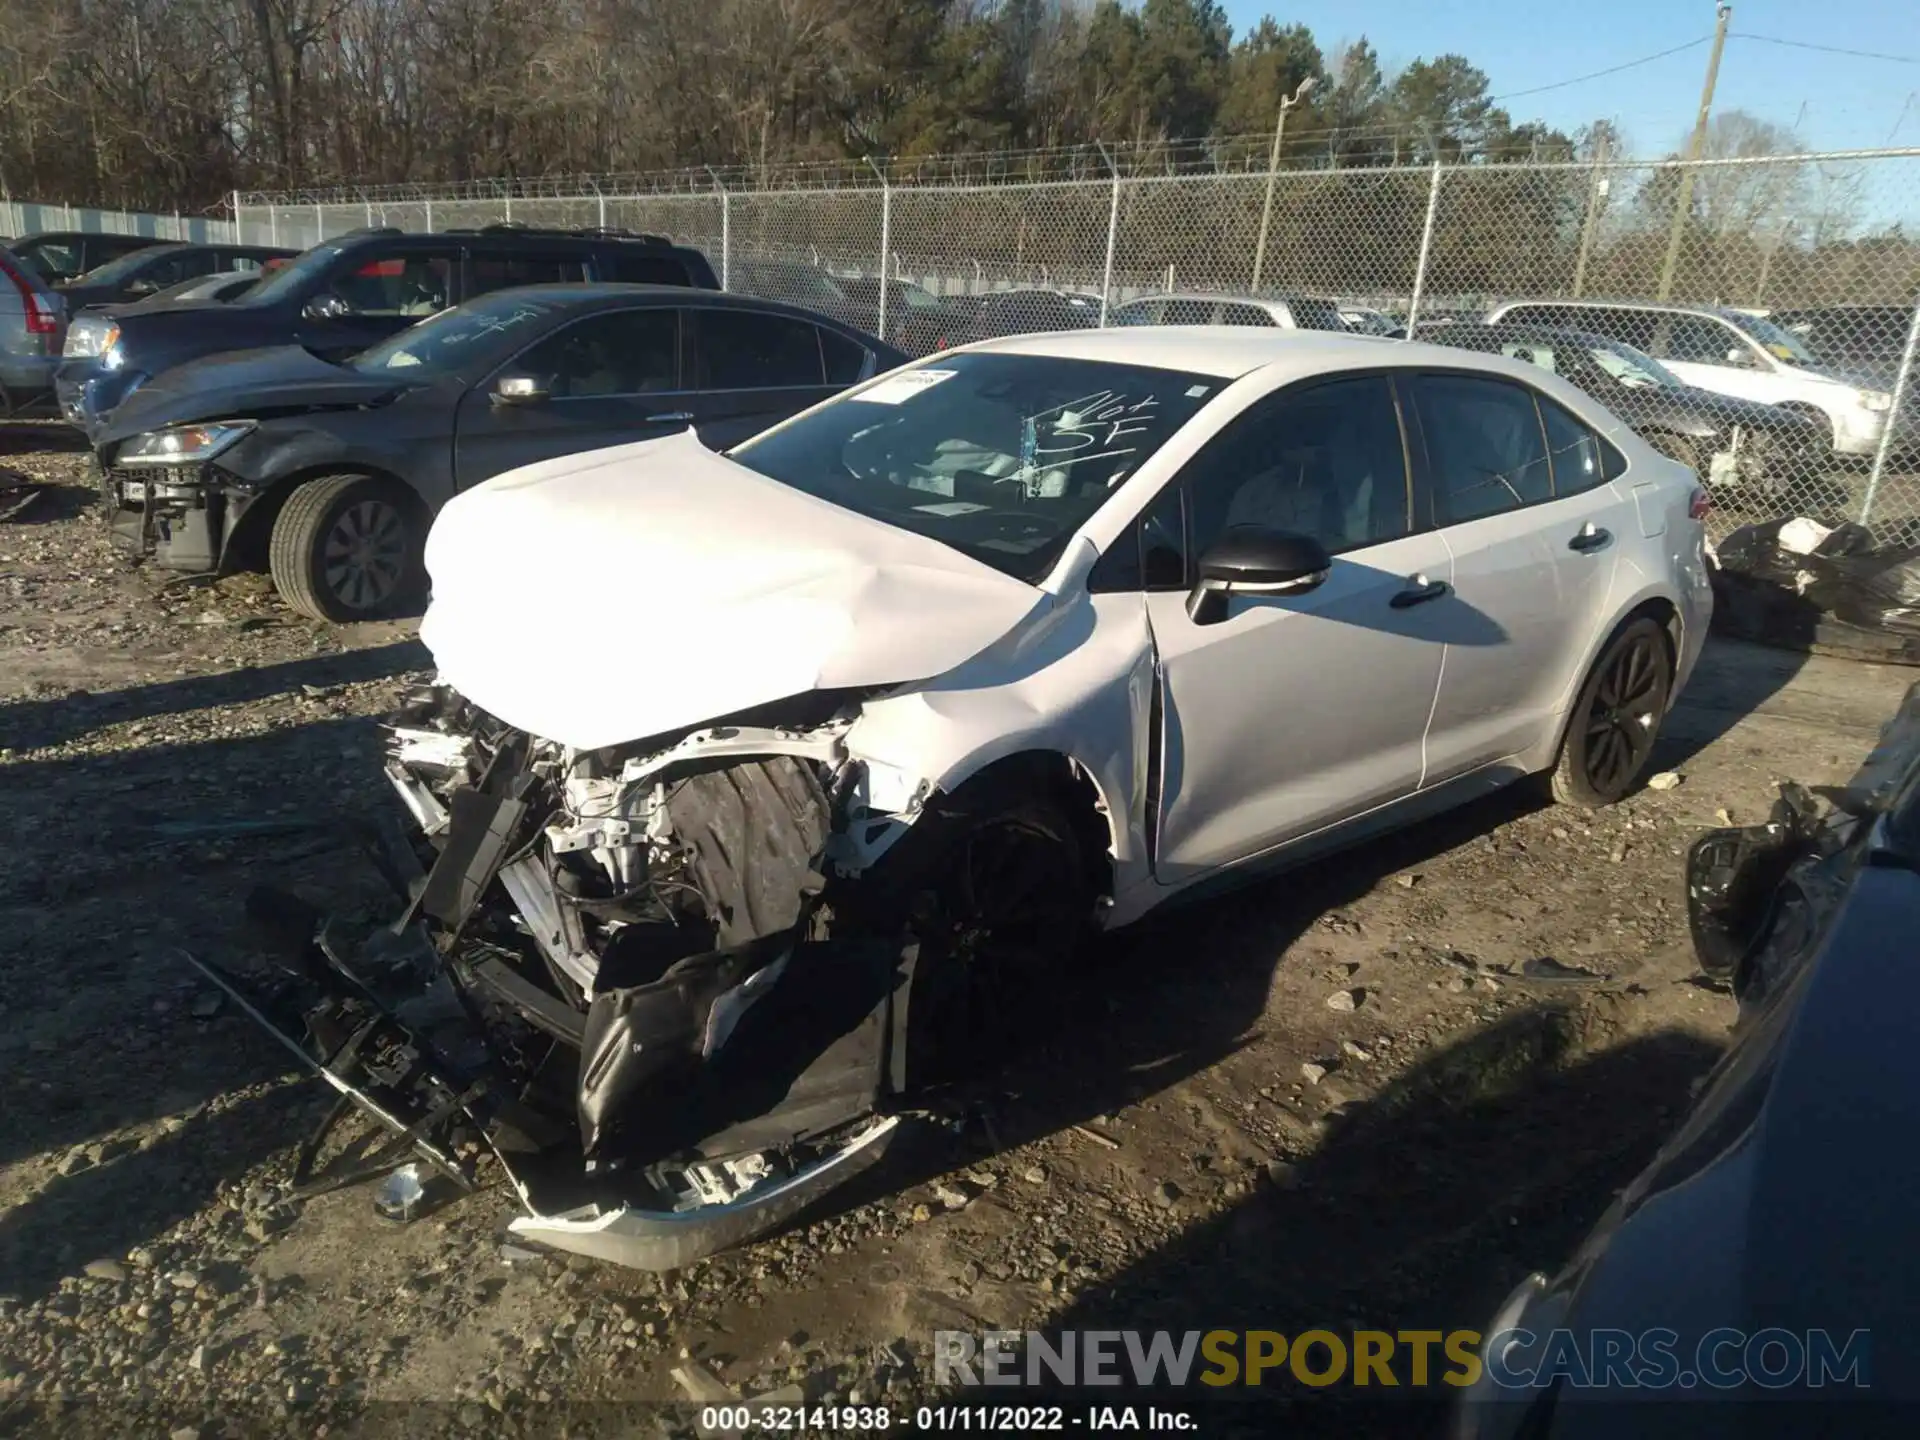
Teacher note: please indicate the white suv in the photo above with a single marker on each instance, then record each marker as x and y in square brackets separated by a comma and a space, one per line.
[1728, 351]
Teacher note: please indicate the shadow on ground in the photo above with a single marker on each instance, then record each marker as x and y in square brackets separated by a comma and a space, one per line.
[109, 864]
[1489, 1159]
[1733, 679]
[33, 724]
[37, 437]
[1172, 996]
[132, 1197]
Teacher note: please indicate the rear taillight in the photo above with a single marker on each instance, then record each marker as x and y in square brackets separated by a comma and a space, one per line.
[1699, 503]
[41, 319]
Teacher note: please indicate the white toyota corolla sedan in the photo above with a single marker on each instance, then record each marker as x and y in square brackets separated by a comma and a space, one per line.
[1017, 641]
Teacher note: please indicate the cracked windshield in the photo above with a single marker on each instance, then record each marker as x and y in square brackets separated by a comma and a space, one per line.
[1002, 457]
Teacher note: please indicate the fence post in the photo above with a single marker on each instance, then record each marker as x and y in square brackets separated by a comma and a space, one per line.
[886, 237]
[1113, 233]
[319, 222]
[600, 196]
[273, 224]
[369, 205]
[726, 229]
[509, 199]
[1596, 191]
[429, 217]
[1426, 251]
[238, 237]
[1902, 384]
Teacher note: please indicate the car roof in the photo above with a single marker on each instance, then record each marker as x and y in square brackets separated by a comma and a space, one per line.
[598, 294]
[1224, 296]
[1475, 329]
[1228, 352]
[1679, 307]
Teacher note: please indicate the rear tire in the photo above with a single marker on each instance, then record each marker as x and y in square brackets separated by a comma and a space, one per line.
[1616, 717]
[346, 548]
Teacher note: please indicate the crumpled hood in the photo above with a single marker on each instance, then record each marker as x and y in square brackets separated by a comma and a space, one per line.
[241, 384]
[629, 592]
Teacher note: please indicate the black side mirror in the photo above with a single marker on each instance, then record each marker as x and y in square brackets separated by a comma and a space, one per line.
[1246, 561]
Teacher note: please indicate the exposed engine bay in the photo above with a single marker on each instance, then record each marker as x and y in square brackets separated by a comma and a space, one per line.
[662, 1019]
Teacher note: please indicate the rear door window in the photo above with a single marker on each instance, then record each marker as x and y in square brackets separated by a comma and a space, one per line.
[755, 350]
[56, 259]
[1532, 352]
[1244, 315]
[1311, 314]
[487, 273]
[642, 269]
[1485, 447]
[1188, 312]
[1573, 450]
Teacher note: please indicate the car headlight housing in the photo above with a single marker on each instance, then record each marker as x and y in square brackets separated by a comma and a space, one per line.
[182, 444]
[1876, 400]
[90, 337]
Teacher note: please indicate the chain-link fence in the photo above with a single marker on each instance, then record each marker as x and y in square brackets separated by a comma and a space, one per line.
[1754, 317]
[27, 217]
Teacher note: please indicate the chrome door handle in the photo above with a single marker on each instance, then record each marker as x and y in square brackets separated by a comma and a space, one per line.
[1421, 591]
[676, 417]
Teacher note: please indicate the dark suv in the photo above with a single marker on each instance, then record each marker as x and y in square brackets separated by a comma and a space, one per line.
[348, 293]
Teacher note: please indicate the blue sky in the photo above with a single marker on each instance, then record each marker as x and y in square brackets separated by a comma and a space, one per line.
[1850, 103]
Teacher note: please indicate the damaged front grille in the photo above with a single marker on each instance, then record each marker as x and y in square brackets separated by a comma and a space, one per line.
[651, 1024]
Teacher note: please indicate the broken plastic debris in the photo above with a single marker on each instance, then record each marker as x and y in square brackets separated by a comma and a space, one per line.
[1665, 780]
[702, 1385]
[401, 1195]
[1545, 967]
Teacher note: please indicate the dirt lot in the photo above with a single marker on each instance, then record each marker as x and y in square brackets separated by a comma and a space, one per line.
[1458, 1125]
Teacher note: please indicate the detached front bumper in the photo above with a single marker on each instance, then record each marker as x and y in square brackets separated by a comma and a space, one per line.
[183, 516]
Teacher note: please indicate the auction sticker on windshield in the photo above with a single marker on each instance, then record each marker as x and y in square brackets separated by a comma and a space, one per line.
[904, 387]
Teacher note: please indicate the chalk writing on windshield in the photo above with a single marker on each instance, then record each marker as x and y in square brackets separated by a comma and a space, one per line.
[1093, 427]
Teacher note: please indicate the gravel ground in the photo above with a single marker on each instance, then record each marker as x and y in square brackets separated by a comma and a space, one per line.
[1330, 1099]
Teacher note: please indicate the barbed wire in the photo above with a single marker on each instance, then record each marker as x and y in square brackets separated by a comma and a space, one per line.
[1242, 154]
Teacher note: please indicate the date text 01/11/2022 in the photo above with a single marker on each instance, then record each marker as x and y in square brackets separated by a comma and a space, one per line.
[975, 1419]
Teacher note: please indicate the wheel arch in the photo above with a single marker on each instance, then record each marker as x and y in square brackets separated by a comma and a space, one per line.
[1075, 787]
[246, 546]
[1658, 607]
[1827, 420]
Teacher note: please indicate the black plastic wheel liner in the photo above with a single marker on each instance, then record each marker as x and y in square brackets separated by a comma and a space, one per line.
[754, 834]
